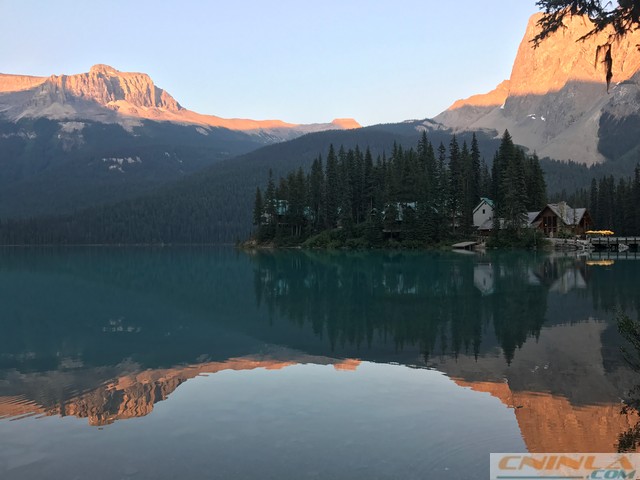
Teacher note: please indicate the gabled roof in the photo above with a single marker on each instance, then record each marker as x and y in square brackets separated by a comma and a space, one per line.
[486, 200]
[531, 216]
[569, 216]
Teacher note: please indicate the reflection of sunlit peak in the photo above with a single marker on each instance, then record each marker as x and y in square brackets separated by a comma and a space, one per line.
[135, 393]
[18, 407]
[350, 365]
[554, 411]
[552, 423]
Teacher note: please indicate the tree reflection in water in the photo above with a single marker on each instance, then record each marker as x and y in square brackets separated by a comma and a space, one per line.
[629, 440]
[445, 307]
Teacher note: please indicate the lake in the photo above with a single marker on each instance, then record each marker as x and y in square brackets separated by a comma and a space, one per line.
[209, 363]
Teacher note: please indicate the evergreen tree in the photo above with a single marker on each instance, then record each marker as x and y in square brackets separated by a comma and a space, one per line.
[442, 183]
[485, 181]
[296, 202]
[358, 182]
[257, 208]
[536, 185]
[369, 184]
[475, 173]
[593, 201]
[514, 201]
[605, 202]
[431, 172]
[316, 188]
[505, 156]
[331, 191]
[469, 187]
[270, 207]
[456, 173]
[379, 187]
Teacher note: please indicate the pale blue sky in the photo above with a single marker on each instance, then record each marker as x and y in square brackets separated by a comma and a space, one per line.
[376, 61]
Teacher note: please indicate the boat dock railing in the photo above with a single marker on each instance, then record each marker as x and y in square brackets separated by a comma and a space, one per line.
[612, 243]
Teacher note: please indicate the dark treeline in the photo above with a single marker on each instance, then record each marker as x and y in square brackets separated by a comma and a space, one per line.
[613, 204]
[395, 299]
[418, 196]
[213, 206]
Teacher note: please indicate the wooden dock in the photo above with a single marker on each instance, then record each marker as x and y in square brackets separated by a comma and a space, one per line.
[615, 244]
[464, 245]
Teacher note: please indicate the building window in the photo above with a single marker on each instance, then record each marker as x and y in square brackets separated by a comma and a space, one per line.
[483, 211]
[550, 224]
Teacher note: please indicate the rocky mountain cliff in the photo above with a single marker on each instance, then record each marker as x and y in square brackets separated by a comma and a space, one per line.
[73, 141]
[107, 95]
[556, 101]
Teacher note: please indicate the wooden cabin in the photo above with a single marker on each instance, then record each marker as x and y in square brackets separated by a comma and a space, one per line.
[557, 218]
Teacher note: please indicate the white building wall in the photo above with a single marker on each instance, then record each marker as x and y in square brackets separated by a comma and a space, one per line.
[482, 213]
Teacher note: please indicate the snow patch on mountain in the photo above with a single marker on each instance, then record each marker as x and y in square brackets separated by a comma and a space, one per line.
[70, 127]
[116, 163]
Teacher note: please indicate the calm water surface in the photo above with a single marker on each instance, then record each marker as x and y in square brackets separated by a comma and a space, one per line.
[215, 364]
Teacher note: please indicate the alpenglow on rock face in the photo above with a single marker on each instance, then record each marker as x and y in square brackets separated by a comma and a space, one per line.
[107, 86]
[72, 141]
[556, 101]
[108, 95]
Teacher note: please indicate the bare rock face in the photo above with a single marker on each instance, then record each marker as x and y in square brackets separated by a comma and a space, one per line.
[16, 83]
[102, 86]
[492, 99]
[555, 98]
[106, 86]
[563, 58]
[345, 123]
[108, 95]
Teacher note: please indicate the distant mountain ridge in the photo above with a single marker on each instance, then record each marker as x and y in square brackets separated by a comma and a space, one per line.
[107, 95]
[72, 141]
[556, 100]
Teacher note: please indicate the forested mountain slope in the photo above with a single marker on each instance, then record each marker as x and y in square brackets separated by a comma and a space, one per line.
[215, 205]
[72, 141]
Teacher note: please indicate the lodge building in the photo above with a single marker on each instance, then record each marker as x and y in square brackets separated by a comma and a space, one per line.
[554, 219]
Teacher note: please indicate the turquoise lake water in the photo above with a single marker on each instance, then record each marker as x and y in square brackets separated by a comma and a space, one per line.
[209, 363]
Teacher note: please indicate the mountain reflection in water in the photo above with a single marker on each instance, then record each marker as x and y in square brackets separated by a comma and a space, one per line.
[105, 334]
